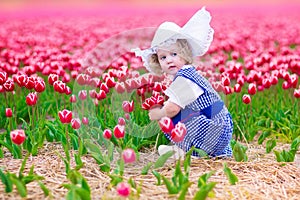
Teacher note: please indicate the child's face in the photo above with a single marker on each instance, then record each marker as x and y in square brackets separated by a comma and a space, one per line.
[170, 60]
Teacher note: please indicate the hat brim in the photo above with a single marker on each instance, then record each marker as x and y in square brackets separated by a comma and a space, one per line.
[197, 31]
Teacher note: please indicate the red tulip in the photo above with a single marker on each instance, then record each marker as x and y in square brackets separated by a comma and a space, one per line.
[128, 106]
[31, 99]
[3, 77]
[246, 99]
[73, 98]
[101, 95]
[104, 87]
[119, 131]
[107, 134]
[82, 95]
[52, 78]
[123, 189]
[119, 87]
[65, 116]
[128, 155]
[82, 79]
[39, 86]
[30, 82]
[225, 81]
[75, 123]
[157, 86]
[274, 80]
[153, 101]
[286, 85]
[227, 90]
[121, 121]
[127, 116]
[9, 85]
[110, 82]
[266, 82]
[21, 80]
[166, 124]
[17, 136]
[252, 89]
[59, 86]
[237, 88]
[68, 90]
[85, 120]
[178, 133]
[297, 93]
[8, 112]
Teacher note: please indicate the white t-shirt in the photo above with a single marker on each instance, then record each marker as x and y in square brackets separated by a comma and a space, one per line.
[183, 91]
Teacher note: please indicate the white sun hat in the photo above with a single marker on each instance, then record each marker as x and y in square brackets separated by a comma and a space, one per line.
[197, 31]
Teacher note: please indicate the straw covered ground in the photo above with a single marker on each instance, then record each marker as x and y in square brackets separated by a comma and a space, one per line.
[259, 178]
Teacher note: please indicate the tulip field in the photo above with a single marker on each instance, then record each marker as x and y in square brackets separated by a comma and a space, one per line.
[74, 107]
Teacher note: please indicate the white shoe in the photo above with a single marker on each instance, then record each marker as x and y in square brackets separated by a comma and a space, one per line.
[178, 153]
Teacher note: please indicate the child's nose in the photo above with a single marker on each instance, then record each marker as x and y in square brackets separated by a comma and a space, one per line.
[169, 59]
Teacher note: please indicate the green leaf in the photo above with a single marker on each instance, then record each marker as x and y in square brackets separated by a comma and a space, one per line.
[132, 183]
[21, 187]
[146, 168]
[83, 194]
[270, 145]
[44, 188]
[171, 188]
[239, 152]
[187, 160]
[115, 179]
[5, 178]
[184, 190]
[78, 161]
[231, 176]
[295, 144]
[72, 195]
[204, 191]
[158, 176]
[263, 136]
[203, 179]
[92, 147]
[162, 159]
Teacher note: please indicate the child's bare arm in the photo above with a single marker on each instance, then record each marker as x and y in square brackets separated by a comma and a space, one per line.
[168, 110]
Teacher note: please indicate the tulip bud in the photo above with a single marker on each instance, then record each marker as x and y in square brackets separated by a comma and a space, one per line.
[8, 112]
[128, 155]
[107, 134]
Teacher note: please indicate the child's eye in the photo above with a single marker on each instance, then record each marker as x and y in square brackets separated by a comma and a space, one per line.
[174, 54]
[162, 57]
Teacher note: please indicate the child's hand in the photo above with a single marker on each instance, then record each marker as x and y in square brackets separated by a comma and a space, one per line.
[156, 113]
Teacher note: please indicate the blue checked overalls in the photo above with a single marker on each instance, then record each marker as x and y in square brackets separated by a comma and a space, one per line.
[208, 122]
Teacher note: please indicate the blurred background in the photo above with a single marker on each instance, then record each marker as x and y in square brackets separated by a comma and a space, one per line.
[132, 6]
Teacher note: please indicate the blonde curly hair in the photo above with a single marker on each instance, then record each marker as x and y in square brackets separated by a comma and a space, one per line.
[184, 51]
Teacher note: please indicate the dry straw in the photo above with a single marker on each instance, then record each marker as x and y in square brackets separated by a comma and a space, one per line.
[259, 178]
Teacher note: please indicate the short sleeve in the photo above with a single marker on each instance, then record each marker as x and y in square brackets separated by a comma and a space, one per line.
[183, 91]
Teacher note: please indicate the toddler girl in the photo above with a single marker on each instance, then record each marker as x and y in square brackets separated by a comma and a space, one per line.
[191, 98]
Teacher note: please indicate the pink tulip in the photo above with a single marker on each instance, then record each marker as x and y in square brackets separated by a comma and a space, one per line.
[123, 189]
[128, 155]
[128, 106]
